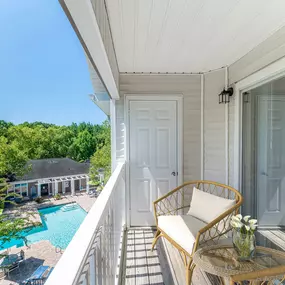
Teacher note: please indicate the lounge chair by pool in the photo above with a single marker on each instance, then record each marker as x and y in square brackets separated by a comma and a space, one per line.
[39, 276]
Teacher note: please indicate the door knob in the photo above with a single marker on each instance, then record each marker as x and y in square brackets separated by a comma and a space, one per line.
[264, 173]
[173, 173]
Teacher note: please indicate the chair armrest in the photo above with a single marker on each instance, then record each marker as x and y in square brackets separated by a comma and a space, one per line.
[218, 228]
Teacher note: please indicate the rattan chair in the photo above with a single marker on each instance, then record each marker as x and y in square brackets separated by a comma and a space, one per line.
[268, 276]
[177, 202]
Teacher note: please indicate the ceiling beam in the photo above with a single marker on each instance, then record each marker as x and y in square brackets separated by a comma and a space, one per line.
[83, 20]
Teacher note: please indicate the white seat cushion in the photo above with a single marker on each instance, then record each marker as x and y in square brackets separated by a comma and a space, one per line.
[182, 229]
[207, 207]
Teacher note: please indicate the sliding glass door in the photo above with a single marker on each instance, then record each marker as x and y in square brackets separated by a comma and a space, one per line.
[264, 153]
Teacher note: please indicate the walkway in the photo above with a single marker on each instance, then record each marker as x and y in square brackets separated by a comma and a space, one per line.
[83, 199]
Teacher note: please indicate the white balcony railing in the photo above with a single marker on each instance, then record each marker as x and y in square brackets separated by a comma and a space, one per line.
[93, 255]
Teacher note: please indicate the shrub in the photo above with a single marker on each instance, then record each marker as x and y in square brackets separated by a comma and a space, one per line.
[39, 200]
[99, 188]
[57, 196]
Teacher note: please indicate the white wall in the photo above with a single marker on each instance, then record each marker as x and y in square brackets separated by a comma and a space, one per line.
[105, 31]
[120, 130]
[214, 127]
[231, 161]
[187, 85]
[272, 49]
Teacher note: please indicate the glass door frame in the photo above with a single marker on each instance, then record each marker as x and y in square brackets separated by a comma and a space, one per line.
[270, 73]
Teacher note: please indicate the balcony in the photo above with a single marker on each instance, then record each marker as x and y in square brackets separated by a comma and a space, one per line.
[104, 251]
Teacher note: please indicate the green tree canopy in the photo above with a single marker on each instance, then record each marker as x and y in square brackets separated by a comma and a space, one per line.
[20, 143]
[102, 157]
[12, 159]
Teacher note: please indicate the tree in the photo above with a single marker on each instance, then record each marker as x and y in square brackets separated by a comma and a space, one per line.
[20, 143]
[11, 227]
[4, 126]
[83, 146]
[12, 159]
[102, 156]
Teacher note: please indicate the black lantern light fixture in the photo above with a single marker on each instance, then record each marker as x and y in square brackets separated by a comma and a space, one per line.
[224, 96]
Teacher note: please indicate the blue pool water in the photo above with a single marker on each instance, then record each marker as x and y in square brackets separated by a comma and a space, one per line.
[59, 225]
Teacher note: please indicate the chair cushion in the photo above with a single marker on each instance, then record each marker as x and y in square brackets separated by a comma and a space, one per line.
[207, 207]
[182, 229]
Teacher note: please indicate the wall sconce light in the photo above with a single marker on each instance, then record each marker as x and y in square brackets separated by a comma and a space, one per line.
[224, 96]
[246, 97]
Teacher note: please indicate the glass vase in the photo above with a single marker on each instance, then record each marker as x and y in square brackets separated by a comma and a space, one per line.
[244, 245]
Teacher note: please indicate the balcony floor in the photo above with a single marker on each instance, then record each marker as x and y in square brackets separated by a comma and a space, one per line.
[163, 266]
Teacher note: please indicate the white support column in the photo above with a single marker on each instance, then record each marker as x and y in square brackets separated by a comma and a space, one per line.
[55, 187]
[80, 184]
[72, 187]
[52, 188]
[39, 189]
[87, 184]
[63, 187]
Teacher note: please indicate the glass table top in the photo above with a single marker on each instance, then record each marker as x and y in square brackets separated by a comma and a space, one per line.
[223, 260]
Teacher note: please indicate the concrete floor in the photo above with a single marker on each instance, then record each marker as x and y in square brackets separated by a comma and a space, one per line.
[83, 199]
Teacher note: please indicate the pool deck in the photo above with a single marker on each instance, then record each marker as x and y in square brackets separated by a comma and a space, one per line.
[40, 253]
[30, 209]
[43, 252]
[81, 198]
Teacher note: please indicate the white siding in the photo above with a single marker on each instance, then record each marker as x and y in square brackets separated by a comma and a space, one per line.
[272, 49]
[261, 56]
[231, 140]
[105, 31]
[97, 83]
[214, 127]
[120, 131]
[187, 85]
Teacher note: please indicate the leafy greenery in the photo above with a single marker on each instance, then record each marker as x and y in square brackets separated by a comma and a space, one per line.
[11, 227]
[20, 143]
[39, 199]
[102, 157]
[57, 196]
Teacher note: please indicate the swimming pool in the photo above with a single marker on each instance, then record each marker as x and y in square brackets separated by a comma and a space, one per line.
[59, 225]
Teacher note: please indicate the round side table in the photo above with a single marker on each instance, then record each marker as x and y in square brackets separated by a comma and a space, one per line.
[222, 261]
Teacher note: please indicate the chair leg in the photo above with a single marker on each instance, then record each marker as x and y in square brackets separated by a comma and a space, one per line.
[156, 237]
[189, 272]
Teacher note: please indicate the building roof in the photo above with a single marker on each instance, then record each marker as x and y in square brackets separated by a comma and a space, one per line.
[54, 167]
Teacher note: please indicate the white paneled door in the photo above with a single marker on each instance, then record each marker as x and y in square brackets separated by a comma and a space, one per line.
[152, 156]
[271, 160]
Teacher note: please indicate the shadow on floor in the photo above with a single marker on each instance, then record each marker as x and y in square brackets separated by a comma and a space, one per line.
[143, 266]
[25, 270]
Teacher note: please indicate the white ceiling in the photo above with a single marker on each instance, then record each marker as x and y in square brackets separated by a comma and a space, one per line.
[189, 35]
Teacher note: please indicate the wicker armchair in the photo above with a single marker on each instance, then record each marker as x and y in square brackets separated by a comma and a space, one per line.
[269, 276]
[177, 203]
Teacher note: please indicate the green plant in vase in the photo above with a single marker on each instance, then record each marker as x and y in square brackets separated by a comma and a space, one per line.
[244, 236]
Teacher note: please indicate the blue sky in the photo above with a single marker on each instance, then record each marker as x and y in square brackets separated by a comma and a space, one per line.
[43, 70]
